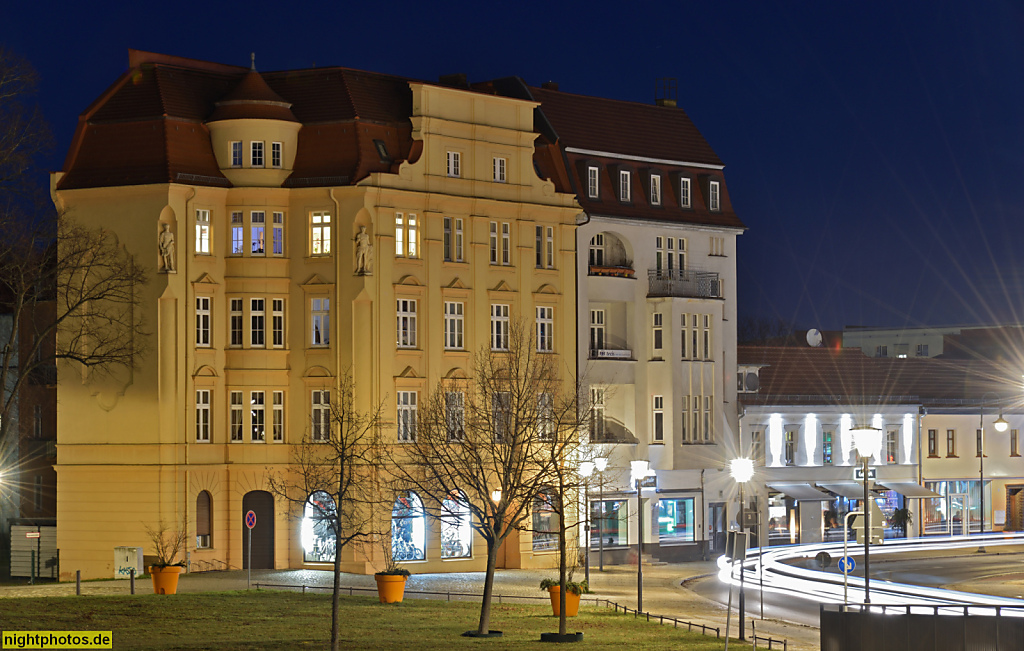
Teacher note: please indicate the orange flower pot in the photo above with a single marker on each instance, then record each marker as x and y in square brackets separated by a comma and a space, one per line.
[572, 602]
[390, 588]
[165, 579]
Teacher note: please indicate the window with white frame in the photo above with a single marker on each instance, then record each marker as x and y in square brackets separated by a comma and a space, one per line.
[257, 416]
[545, 417]
[257, 322]
[406, 236]
[277, 323]
[257, 231]
[714, 202]
[454, 325]
[275, 154]
[237, 233]
[657, 334]
[827, 438]
[320, 233]
[684, 193]
[933, 443]
[624, 182]
[592, 183]
[655, 190]
[544, 247]
[506, 243]
[454, 164]
[892, 445]
[406, 418]
[493, 242]
[278, 424]
[684, 344]
[455, 415]
[716, 245]
[499, 327]
[203, 415]
[669, 253]
[757, 446]
[499, 169]
[452, 239]
[922, 350]
[789, 451]
[256, 150]
[684, 428]
[597, 426]
[406, 326]
[235, 322]
[202, 321]
[278, 234]
[545, 329]
[706, 335]
[597, 250]
[950, 442]
[659, 419]
[236, 416]
[236, 153]
[203, 231]
[320, 320]
[596, 330]
[501, 416]
[320, 415]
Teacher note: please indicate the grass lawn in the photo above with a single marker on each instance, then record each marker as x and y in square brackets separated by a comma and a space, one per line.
[284, 620]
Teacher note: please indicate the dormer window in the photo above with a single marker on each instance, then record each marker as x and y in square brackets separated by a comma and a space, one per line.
[713, 197]
[592, 186]
[256, 159]
[624, 195]
[684, 193]
[236, 153]
[275, 154]
[655, 190]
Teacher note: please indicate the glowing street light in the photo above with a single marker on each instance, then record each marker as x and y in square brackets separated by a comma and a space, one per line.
[868, 441]
[586, 470]
[742, 470]
[638, 470]
[600, 463]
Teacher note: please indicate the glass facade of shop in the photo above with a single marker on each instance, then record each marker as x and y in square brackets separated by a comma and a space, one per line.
[317, 530]
[609, 520]
[408, 528]
[675, 520]
[958, 511]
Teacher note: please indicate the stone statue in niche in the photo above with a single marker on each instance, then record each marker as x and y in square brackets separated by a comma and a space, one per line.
[165, 242]
[364, 253]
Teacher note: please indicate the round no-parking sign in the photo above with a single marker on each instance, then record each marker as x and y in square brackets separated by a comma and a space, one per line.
[250, 519]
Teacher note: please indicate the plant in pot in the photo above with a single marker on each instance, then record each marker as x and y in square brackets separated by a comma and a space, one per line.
[165, 571]
[391, 580]
[901, 519]
[573, 590]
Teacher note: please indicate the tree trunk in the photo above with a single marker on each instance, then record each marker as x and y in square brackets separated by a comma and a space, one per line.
[485, 604]
[336, 597]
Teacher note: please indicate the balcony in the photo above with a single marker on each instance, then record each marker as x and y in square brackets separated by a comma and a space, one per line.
[615, 272]
[683, 283]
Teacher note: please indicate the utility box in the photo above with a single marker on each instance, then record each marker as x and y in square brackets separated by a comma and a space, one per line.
[127, 559]
[877, 525]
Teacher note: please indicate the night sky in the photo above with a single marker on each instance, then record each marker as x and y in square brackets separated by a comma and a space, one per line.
[873, 149]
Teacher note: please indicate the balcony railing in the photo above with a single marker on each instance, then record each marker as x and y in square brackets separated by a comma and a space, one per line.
[690, 283]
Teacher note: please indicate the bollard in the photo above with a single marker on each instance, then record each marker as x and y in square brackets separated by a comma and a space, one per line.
[32, 569]
[78, 583]
[131, 579]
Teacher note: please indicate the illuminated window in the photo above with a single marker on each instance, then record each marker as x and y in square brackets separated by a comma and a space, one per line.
[320, 233]
[237, 233]
[408, 528]
[675, 520]
[203, 231]
[257, 231]
[320, 319]
[826, 447]
[258, 415]
[317, 529]
[456, 527]
[545, 522]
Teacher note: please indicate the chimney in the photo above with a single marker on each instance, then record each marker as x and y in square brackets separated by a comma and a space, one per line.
[666, 92]
[550, 85]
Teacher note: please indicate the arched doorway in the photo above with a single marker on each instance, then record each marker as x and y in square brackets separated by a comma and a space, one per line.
[262, 504]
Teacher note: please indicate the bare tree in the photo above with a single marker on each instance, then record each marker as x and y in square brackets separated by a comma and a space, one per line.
[482, 443]
[335, 474]
[24, 135]
[761, 331]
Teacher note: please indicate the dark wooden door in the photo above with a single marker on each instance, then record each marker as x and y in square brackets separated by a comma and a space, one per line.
[262, 504]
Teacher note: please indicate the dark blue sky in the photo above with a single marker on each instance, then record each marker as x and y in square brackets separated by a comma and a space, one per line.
[875, 150]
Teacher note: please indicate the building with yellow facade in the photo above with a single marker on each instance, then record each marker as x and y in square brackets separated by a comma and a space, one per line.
[297, 226]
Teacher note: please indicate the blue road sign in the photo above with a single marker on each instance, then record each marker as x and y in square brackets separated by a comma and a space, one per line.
[846, 564]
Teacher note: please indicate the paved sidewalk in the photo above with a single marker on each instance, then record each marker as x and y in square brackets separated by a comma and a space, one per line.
[663, 592]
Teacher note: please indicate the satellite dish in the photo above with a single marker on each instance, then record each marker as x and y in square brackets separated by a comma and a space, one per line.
[751, 382]
[814, 338]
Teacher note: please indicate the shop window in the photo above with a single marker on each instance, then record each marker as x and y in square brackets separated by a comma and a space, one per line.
[545, 522]
[456, 527]
[318, 535]
[608, 523]
[203, 519]
[675, 520]
[408, 528]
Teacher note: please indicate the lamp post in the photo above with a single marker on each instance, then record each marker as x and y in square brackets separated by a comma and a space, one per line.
[601, 463]
[638, 470]
[586, 469]
[868, 441]
[742, 470]
[1000, 424]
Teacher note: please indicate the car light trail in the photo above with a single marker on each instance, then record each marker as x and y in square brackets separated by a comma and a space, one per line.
[780, 577]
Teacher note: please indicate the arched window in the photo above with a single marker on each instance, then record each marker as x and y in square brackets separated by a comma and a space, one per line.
[545, 521]
[204, 517]
[408, 528]
[318, 535]
[456, 529]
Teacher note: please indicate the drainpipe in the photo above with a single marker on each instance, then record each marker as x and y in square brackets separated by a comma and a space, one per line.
[185, 403]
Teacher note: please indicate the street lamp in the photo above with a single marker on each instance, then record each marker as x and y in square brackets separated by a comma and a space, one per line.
[638, 470]
[868, 441]
[742, 470]
[1000, 424]
[586, 470]
[601, 463]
